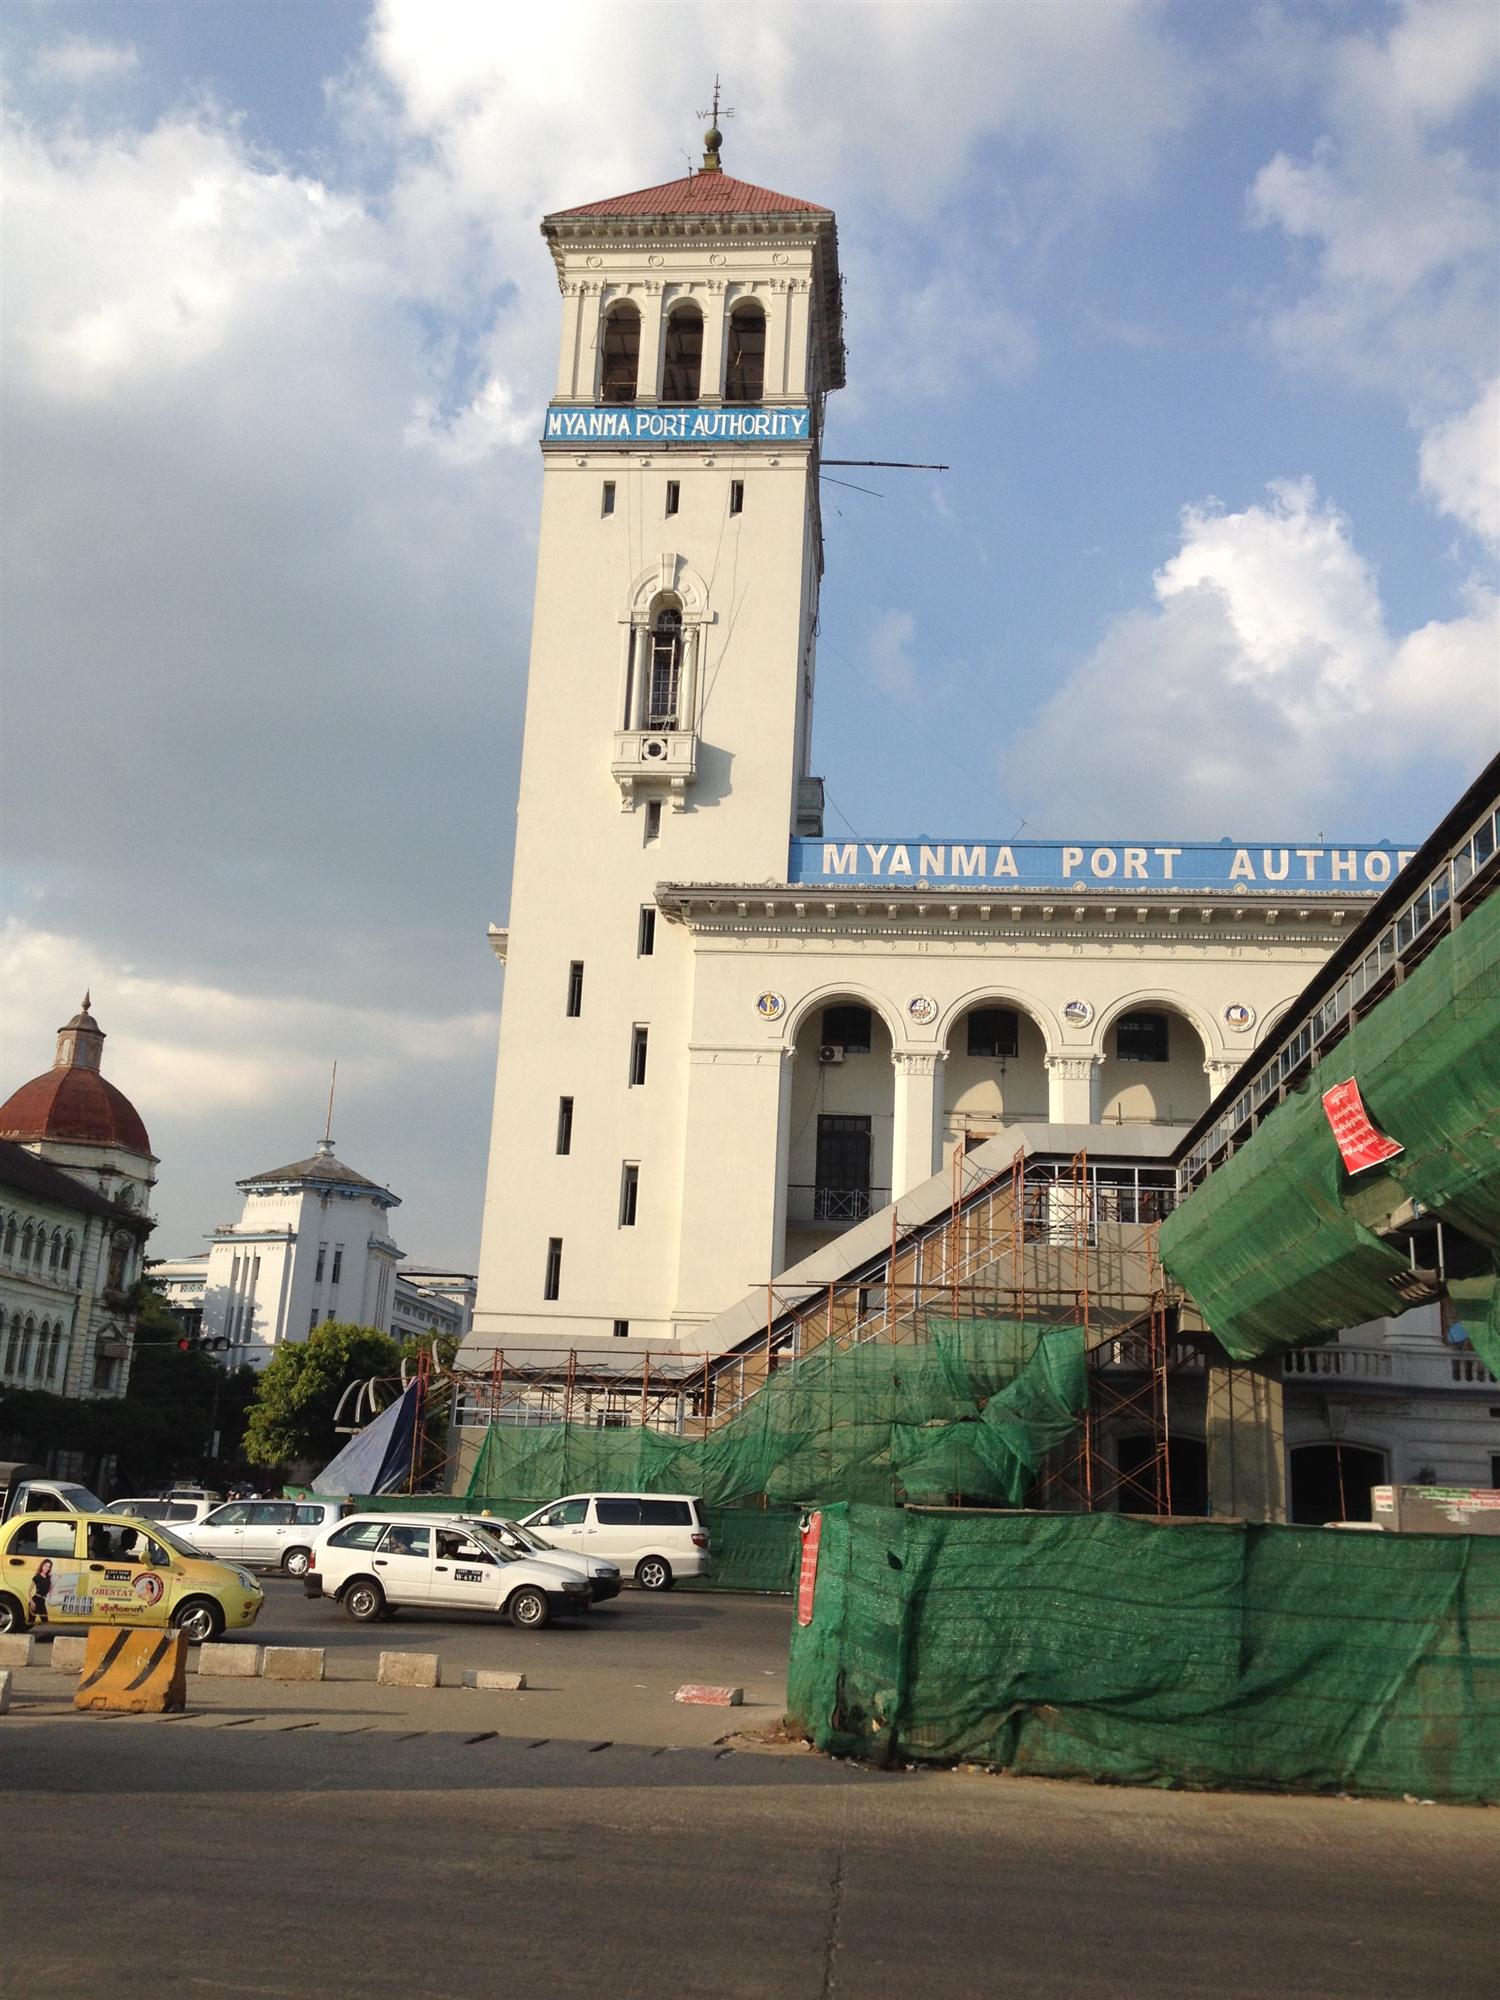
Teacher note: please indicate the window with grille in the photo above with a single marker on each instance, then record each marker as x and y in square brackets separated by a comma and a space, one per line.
[666, 670]
[994, 1031]
[848, 1027]
[1141, 1038]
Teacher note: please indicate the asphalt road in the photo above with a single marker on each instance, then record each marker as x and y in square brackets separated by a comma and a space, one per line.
[673, 1635]
[201, 1857]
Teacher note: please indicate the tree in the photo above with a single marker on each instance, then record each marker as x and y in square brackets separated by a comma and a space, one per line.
[292, 1414]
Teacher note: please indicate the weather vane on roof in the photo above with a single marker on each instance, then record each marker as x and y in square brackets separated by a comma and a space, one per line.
[713, 138]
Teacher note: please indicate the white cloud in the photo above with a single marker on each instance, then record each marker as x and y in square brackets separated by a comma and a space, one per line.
[1396, 205]
[1264, 694]
[75, 62]
[889, 659]
[1461, 465]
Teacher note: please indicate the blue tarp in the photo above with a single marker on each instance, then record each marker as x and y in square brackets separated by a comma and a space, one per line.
[377, 1458]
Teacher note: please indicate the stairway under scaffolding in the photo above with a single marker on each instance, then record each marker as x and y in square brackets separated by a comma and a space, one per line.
[1042, 1243]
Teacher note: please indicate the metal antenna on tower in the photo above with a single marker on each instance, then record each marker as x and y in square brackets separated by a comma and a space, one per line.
[328, 1125]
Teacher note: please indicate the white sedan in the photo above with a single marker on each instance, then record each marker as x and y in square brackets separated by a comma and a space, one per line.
[603, 1578]
[377, 1564]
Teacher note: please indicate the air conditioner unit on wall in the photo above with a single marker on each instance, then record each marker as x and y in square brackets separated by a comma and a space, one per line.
[831, 1052]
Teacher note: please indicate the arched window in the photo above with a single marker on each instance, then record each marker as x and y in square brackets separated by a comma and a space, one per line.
[67, 1254]
[28, 1341]
[683, 372]
[10, 1236]
[13, 1345]
[621, 354]
[26, 1234]
[745, 373]
[54, 1353]
[666, 670]
[54, 1251]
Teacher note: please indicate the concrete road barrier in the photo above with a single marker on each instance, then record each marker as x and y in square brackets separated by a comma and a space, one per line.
[710, 1697]
[4, 1690]
[230, 1661]
[408, 1670]
[130, 1671]
[485, 1677]
[292, 1663]
[16, 1649]
[68, 1652]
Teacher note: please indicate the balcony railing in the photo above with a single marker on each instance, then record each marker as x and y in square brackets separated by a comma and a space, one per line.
[1354, 1366]
[828, 1207]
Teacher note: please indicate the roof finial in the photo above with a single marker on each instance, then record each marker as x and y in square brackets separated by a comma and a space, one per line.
[325, 1144]
[85, 1007]
[713, 138]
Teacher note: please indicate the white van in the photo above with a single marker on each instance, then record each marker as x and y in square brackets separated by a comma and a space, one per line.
[656, 1537]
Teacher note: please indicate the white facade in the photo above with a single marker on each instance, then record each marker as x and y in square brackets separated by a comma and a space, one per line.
[709, 1063]
[310, 1246]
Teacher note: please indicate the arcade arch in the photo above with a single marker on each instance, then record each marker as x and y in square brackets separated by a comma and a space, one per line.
[840, 1118]
[1152, 1068]
[995, 1072]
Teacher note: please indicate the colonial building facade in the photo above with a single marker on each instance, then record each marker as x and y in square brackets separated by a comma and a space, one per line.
[727, 1037]
[76, 1173]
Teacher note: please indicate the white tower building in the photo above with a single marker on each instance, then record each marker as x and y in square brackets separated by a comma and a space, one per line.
[726, 1040]
[667, 726]
[310, 1246]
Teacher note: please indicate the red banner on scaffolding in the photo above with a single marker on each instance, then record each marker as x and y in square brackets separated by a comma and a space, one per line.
[1359, 1142]
[807, 1576]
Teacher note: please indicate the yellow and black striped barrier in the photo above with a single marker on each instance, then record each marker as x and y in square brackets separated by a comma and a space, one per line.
[133, 1672]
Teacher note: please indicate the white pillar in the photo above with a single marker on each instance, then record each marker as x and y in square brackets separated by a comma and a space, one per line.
[640, 639]
[777, 336]
[687, 680]
[916, 1146]
[711, 384]
[797, 338]
[1072, 1090]
[586, 373]
[568, 353]
[648, 369]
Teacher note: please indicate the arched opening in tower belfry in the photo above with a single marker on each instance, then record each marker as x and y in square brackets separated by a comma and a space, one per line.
[682, 370]
[745, 367]
[621, 354]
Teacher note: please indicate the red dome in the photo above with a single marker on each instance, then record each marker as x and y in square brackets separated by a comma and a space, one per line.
[73, 1104]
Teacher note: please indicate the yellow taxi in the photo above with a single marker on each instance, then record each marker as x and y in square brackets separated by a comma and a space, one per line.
[107, 1569]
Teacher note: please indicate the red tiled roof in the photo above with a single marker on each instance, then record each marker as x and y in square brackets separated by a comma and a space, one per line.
[76, 1104]
[699, 194]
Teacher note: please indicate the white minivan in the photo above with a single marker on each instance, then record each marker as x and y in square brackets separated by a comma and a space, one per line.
[656, 1537]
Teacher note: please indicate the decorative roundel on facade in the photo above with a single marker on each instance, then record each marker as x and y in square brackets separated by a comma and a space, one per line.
[717, 257]
[654, 259]
[1078, 1013]
[922, 1009]
[1239, 1017]
[594, 263]
[778, 257]
[770, 1006]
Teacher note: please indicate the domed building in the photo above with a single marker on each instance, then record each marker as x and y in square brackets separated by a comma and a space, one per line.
[76, 1173]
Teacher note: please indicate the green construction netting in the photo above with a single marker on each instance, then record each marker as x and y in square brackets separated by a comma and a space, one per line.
[1275, 1246]
[1200, 1653]
[970, 1410]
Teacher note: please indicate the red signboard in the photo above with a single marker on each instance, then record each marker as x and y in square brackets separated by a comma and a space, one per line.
[807, 1579]
[1361, 1145]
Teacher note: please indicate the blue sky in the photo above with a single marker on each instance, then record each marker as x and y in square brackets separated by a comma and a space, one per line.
[1198, 302]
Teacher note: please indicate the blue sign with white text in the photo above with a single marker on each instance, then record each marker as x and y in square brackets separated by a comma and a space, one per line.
[631, 423]
[1113, 866]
